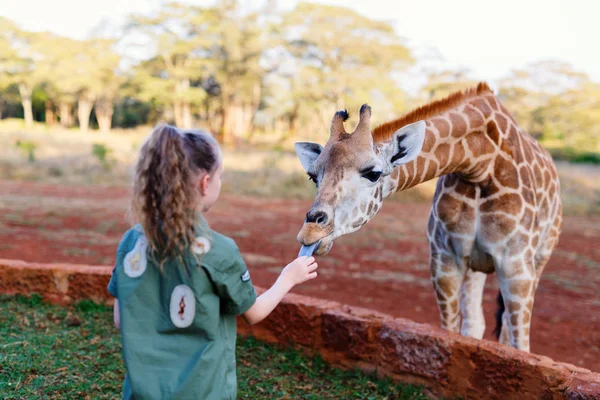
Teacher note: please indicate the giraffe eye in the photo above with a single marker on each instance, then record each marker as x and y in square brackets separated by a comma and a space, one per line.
[373, 176]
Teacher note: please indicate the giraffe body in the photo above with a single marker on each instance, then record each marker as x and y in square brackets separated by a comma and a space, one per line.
[496, 208]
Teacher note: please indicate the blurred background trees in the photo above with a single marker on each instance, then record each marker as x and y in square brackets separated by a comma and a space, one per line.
[249, 73]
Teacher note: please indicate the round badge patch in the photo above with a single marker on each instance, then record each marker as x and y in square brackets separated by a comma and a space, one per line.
[135, 261]
[183, 306]
[201, 245]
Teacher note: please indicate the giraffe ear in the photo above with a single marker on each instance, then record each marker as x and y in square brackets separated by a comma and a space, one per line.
[308, 153]
[406, 144]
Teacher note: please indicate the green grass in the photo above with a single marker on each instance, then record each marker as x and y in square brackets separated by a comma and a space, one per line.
[50, 352]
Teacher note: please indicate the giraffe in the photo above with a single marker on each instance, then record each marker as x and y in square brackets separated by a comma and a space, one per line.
[496, 207]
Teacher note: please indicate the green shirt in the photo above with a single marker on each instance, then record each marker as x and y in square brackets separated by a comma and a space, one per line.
[178, 326]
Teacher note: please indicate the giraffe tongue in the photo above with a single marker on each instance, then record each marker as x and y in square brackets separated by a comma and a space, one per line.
[308, 250]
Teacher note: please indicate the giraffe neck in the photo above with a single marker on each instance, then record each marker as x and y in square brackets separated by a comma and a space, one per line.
[458, 141]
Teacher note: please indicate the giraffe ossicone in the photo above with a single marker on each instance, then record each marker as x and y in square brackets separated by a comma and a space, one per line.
[496, 208]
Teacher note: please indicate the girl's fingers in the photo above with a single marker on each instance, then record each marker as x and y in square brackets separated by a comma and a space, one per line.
[312, 267]
[312, 275]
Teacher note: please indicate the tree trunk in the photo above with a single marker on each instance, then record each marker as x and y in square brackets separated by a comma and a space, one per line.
[186, 115]
[50, 115]
[177, 111]
[66, 118]
[104, 113]
[84, 109]
[25, 92]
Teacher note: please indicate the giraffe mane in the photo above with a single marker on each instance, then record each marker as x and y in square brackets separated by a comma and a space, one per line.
[385, 131]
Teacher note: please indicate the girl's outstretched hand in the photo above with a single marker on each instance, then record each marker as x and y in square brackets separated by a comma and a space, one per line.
[300, 270]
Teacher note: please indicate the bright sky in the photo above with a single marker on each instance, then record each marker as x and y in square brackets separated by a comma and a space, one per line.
[487, 37]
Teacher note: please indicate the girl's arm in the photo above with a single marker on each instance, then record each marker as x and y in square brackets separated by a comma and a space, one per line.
[298, 271]
[116, 316]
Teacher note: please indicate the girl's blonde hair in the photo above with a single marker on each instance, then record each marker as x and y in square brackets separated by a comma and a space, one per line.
[165, 192]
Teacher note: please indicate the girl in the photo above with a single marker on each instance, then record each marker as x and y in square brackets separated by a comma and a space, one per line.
[178, 284]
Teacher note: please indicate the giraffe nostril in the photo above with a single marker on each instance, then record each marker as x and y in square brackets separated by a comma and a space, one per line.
[318, 217]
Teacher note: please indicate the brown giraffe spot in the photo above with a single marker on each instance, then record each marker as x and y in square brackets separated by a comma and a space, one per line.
[514, 271]
[506, 173]
[420, 167]
[512, 145]
[395, 174]
[529, 304]
[495, 227]
[514, 319]
[552, 190]
[527, 219]
[510, 203]
[543, 210]
[488, 189]
[520, 288]
[525, 175]
[442, 126]
[459, 125]
[454, 307]
[539, 178]
[514, 306]
[535, 241]
[493, 132]
[458, 216]
[358, 224]
[526, 317]
[529, 254]
[547, 179]
[482, 106]
[441, 154]
[458, 155]
[527, 151]
[480, 144]
[502, 123]
[528, 195]
[517, 242]
[466, 189]
[428, 143]
[526, 331]
[410, 172]
[492, 102]
[432, 168]
[473, 116]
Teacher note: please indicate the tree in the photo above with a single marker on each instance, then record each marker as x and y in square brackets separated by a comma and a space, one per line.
[342, 59]
[18, 62]
[166, 78]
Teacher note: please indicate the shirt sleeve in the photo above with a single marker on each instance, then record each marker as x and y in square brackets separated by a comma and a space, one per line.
[233, 285]
[121, 251]
[112, 285]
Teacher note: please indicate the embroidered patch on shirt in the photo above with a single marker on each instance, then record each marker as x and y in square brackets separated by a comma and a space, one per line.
[245, 276]
[183, 306]
[201, 245]
[136, 260]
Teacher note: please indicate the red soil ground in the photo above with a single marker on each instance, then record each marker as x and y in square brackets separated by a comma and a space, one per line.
[383, 267]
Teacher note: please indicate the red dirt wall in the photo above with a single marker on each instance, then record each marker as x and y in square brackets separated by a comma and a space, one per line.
[448, 364]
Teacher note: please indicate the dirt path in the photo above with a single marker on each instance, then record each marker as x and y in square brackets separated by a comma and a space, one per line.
[382, 267]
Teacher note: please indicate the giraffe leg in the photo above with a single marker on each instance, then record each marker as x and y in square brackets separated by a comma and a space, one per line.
[447, 281]
[517, 285]
[473, 322]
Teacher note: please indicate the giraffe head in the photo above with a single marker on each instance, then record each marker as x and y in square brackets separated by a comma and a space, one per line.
[350, 176]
